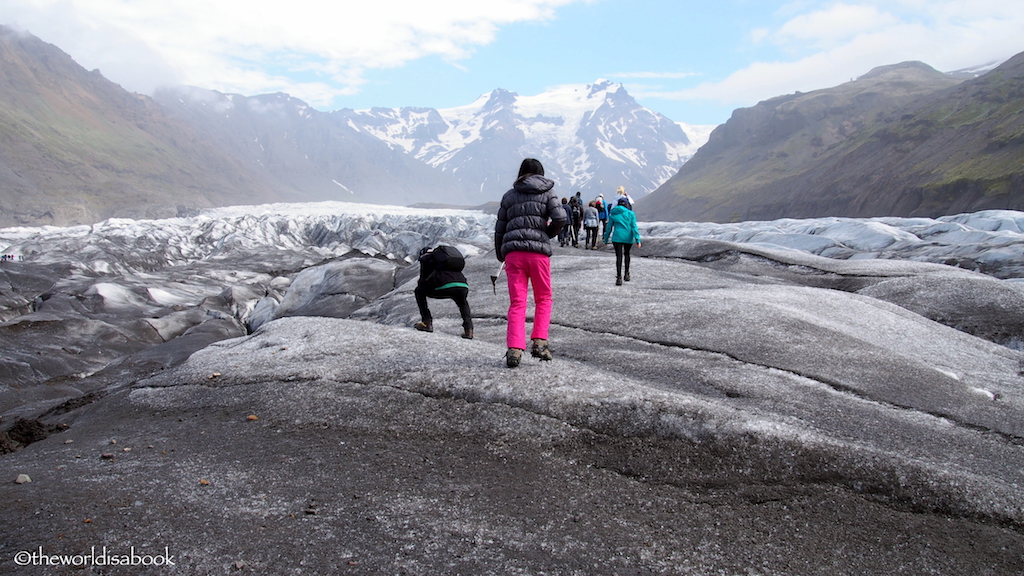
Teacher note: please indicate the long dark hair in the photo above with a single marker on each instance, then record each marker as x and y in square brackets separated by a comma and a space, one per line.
[531, 166]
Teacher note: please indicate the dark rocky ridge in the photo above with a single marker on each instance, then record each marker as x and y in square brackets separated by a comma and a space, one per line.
[75, 147]
[901, 140]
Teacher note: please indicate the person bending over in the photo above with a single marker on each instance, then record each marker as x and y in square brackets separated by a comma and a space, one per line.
[441, 277]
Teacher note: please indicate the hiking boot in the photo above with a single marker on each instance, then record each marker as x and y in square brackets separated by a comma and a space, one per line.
[424, 326]
[513, 357]
[618, 280]
[540, 349]
[468, 334]
[626, 277]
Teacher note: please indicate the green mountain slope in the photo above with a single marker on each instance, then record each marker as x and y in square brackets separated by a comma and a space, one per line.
[903, 140]
[76, 148]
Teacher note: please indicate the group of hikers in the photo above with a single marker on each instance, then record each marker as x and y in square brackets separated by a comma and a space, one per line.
[529, 216]
[590, 218]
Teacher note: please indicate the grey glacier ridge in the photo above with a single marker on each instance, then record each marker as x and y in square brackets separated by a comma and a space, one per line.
[244, 387]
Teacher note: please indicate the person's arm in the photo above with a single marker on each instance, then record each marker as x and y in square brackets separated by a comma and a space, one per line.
[427, 265]
[554, 227]
[557, 215]
[499, 232]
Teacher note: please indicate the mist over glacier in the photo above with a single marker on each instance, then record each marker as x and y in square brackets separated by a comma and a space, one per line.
[861, 362]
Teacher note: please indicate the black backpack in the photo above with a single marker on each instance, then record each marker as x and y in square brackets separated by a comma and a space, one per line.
[449, 258]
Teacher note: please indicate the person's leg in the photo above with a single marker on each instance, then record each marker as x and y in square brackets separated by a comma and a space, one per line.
[540, 277]
[625, 260]
[539, 270]
[618, 260]
[426, 322]
[461, 297]
[518, 283]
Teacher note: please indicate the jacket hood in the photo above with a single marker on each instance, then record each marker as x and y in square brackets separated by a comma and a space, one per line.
[533, 184]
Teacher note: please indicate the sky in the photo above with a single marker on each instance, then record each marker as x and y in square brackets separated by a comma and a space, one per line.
[693, 61]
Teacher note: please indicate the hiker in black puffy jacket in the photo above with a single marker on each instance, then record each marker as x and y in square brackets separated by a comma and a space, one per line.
[529, 216]
[439, 282]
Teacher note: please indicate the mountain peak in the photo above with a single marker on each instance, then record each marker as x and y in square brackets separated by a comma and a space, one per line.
[912, 65]
[602, 85]
[587, 135]
[500, 98]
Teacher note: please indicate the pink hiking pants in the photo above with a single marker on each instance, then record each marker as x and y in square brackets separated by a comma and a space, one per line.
[523, 268]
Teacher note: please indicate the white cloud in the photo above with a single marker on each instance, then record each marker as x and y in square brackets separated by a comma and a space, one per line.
[254, 46]
[318, 51]
[845, 40]
[832, 26]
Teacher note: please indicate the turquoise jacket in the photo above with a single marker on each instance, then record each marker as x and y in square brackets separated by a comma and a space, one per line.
[622, 226]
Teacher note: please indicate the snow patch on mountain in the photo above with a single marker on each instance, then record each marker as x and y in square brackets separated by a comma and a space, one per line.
[698, 134]
[587, 135]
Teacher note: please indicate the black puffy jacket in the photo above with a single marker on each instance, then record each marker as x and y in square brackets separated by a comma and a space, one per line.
[529, 216]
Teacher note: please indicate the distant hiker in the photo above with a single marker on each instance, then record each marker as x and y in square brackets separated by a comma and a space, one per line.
[602, 211]
[441, 277]
[529, 216]
[576, 210]
[590, 223]
[624, 232]
[583, 207]
[563, 235]
[620, 195]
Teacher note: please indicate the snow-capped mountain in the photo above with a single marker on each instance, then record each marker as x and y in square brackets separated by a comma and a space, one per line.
[313, 154]
[592, 137]
[189, 148]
